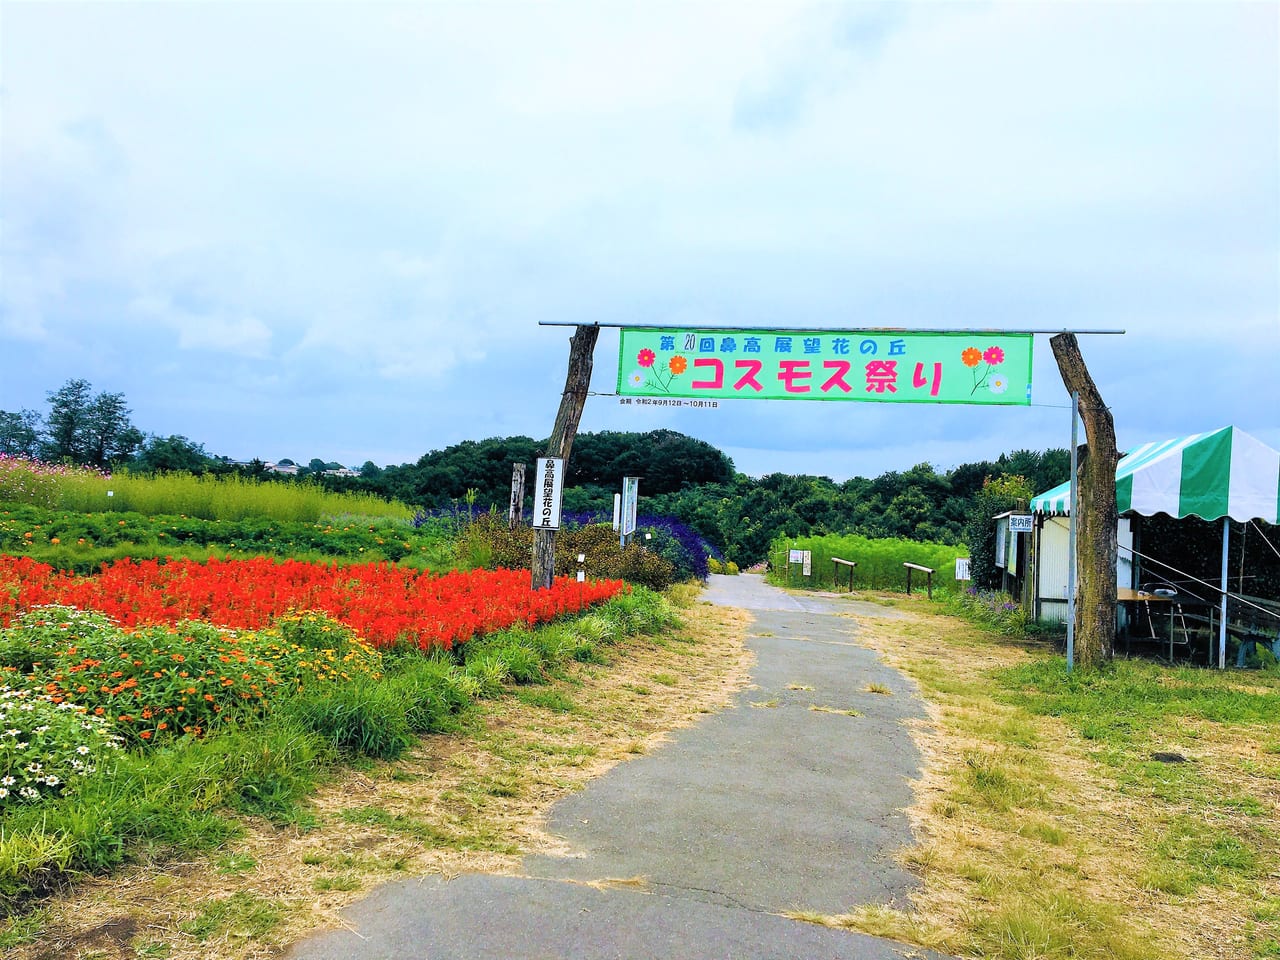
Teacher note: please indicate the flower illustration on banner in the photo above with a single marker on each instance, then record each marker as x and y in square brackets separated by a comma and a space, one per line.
[658, 376]
[993, 356]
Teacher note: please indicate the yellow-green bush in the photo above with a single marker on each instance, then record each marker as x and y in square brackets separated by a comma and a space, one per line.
[219, 498]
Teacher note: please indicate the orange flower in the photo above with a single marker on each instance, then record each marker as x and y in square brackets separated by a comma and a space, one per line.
[54, 540]
[971, 356]
[678, 364]
[145, 734]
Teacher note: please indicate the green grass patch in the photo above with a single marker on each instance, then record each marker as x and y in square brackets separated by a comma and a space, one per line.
[879, 562]
[552, 700]
[241, 915]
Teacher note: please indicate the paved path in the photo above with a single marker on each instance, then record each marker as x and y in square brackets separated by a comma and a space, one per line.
[766, 807]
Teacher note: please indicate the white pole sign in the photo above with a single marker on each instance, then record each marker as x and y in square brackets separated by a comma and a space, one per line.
[617, 511]
[546, 514]
[630, 501]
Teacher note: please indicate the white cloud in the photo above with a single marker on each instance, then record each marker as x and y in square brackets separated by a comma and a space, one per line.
[382, 202]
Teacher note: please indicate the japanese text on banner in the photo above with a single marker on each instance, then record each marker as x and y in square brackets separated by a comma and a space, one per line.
[894, 367]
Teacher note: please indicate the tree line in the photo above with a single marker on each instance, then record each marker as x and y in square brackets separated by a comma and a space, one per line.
[681, 476]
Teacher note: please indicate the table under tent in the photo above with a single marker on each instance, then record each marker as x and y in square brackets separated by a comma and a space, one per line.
[1199, 545]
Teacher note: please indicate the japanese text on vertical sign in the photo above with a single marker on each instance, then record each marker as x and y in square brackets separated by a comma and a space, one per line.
[894, 367]
[550, 480]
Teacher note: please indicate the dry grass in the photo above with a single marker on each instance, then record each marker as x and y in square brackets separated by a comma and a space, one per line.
[460, 803]
[1027, 847]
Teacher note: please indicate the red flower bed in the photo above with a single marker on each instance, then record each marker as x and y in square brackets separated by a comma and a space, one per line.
[383, 604]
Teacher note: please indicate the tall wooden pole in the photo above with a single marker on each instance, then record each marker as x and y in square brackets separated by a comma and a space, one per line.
[1095, 614]
[576, 385]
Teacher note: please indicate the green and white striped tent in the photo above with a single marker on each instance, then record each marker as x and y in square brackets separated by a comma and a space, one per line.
[1225, 473]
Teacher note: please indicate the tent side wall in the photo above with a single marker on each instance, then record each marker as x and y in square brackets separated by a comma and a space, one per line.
[1052, 567]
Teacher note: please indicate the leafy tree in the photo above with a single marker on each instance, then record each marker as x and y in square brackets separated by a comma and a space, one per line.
[665, 459]
[88, 429]
[369, 470]
[68, 421]
[997, 496]
[171, 454]
[110, 436]
[20, 433]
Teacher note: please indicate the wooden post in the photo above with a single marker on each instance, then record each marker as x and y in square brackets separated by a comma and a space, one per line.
[1096, 516]
[515, 514]
[576, 385]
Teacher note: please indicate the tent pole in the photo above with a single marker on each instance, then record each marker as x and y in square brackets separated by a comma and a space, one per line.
[1222, 624]
[1071, 538]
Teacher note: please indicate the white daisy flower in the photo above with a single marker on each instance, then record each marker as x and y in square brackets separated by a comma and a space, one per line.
[999, 383]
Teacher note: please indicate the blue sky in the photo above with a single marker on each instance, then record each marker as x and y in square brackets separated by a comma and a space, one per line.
[331, 230]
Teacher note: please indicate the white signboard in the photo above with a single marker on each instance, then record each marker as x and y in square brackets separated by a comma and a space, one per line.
[795, 556]
[550, 480]
[808, 563]
[630, 503]
[1020, 522]
[962, 568]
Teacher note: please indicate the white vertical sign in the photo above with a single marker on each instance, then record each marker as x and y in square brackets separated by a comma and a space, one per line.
[550, 478]
[630, 502]
[617, 511]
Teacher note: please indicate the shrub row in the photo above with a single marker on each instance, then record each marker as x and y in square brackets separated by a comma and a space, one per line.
[488, 542]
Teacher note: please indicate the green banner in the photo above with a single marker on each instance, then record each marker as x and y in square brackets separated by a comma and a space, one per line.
[988, 368]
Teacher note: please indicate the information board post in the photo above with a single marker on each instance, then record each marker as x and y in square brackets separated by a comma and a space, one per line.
[630, 503]
[515, 514]
[577, 384]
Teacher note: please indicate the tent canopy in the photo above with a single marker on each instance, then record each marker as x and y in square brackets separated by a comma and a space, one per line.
[1225, 473]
